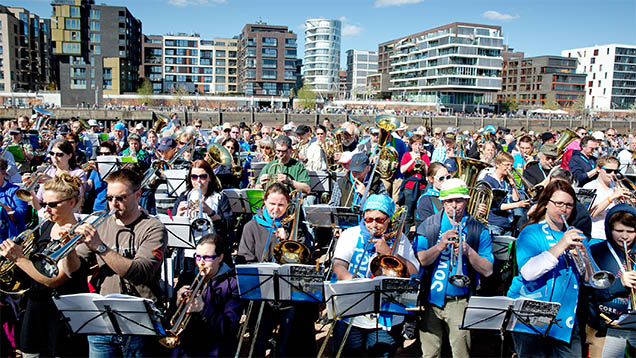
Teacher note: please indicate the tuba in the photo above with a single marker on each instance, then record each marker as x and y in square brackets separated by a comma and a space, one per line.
[12, 281]
[218, 155]
[161, 122]
[567, 137]
[292, 251]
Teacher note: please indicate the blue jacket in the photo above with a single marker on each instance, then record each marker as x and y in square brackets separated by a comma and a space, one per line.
[10, 228]
[580, 165]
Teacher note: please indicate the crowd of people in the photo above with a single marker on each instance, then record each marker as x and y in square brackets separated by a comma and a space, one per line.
[564, 196]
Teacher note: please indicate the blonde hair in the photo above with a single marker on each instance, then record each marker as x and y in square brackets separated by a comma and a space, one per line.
[504, 157]
[65, 184]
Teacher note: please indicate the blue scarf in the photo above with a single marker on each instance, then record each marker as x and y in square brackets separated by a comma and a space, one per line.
[266, 221]
[431, 191]
[561, 284]
[439, 281]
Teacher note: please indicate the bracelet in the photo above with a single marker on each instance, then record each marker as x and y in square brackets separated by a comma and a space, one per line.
[609, 201]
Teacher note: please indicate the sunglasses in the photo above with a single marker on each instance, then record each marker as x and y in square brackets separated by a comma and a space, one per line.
[443, 177]
[610, 171]
[195, 177]
[198, 127]
[54, 203]
[103, 153]
[377, 220]
[119, 198]
[282, 150]
[57, 154]
[206, 258]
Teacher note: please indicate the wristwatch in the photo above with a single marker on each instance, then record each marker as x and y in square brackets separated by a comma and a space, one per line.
[101, 248]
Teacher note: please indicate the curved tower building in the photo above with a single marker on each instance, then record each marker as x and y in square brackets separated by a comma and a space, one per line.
[322, 55]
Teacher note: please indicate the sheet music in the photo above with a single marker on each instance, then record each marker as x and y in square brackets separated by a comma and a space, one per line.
[179, 231]
[489, 312]
[176, 181]
[319, 181]
[295, 283]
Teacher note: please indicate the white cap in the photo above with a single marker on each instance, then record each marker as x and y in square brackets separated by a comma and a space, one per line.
[287, 127]
[139, 126]
[93, 123]
[345, 157]
[598, 135]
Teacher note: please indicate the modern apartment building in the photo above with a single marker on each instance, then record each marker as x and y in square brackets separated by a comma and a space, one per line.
[374, 84]
[152, 61]
[532, 81]
[457, 65]
[342, 84]
[610, 75]
[267, 60]
[98, 49]
[322, 55]
[25, 51]
[360, 64]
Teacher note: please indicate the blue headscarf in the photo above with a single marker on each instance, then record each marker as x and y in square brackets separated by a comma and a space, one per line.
[380, 202]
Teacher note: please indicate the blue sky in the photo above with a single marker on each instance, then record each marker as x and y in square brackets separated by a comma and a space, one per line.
[537, 27]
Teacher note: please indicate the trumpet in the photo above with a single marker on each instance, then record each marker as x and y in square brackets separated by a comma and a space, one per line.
[599, 279]
[181, 317]
[458, 278]
[46, 261]
[24, 193]
[200, 223]
[630, 263]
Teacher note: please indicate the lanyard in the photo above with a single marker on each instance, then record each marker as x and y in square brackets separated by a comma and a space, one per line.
[618, 260]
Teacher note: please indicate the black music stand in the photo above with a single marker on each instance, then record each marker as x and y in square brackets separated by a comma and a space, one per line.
[280, 283]
[176, 181]
[501, 246]
[504, 313]
[320, 181]
[323, 215]
[239, 202]
[586, 196]
[107, 164]
[89, 313]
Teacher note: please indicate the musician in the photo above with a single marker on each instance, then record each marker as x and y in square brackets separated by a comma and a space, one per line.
[350, 188]
[354, 252]
[215, 314]
[500, 217]
[129, 248]
[538, 173]
[369, 144]
[184, 138]
[525, 153]
[316, 155]
[235, 133]
[266, 149]
[62, 156]
[487, 152]
[608, 194]
[435, 242]
[428, 203]
[626, 157]
[612, 142]
[17, 138]
[84, 144]
[12, 210]
[350, 137]
[292, 173]
[296, 335]
[441, 153]
[415, 177]
[13, 174]
[134, 149]
[97, 186]
[151, 143]
[574, 145]
[44, 332]
[118, 136]
[607, 305]
[80, 155]
[583, 162]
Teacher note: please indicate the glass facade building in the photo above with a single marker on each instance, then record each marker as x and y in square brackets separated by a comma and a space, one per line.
[322, 55]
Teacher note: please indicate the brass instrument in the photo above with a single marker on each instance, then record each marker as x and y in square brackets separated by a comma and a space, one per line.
[419, 166]
[83, 126]
[161, 122]
[585, 265]
[46, 261]
[12, 281]
[89, 167]
[525, 188]
[468, 169]
[299, 148]
[292, 251]
[218, 155]
[458, 278]
[272, 173]
[199, 222]
[181, 317]
[160, 165]
[624, 182]
[481, 193]
[567, 137]
[24, 193]
[237, 167]
[630, 263]
[391, 265]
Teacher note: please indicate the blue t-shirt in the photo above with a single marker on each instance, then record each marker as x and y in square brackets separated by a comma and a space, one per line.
[484, 250]
[498, 217]
[99, 187]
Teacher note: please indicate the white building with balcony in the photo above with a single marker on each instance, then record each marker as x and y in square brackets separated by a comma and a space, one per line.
[456, 66]
[360, 64]
[322, 55]
[611, 75]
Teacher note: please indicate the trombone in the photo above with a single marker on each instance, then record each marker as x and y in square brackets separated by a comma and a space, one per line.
[599, 279]
[46, 261]
[160, 165]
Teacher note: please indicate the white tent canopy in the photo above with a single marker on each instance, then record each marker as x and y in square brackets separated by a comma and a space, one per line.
[547, 111]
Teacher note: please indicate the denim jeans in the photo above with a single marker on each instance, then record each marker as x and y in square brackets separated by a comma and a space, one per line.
[367, 342]
[536, 346]
[116, 346]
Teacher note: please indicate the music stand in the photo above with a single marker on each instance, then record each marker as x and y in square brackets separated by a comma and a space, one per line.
[176, 181]
[270, 281]
[90, 313]
[501, 246]
[258, 167]
[107, 164]
[503, 314]
[179, 231]
[323, 215]
[586, 196]
[319, 181]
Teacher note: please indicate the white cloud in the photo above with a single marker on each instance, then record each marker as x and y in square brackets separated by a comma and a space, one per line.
[343, 18]
[495, 15]
[385, 3]
[184, 3]
[351, 30]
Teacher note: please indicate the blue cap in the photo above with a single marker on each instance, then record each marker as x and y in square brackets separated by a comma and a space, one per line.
[120, 126]
[451, 165]
[380, 202]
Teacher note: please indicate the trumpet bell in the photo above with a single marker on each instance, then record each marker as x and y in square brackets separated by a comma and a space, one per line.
[201, 224]
[387, 122]
[219, 155]
[388, 265]
[170, 342]
[45, 265]
[459, 280]
[602, 279]
[24, 195]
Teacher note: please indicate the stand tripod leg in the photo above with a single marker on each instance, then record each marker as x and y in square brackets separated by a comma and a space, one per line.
[256, 329]
[243, 329]
[324, 343]
[344, 338]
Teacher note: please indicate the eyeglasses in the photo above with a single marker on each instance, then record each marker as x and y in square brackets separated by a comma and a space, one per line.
[195, 177]
[443, 177]
[281, 150]
[119, 198]
[560, 204]
[610, 171]
[54, 203]
[57, 154]
[103, 153]
[549, 157]
[206, 258]
[380, 220]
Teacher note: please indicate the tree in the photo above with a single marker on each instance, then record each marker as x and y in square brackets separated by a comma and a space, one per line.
[550, 102]
[307, 97]
[145, 90]
[178, 92]
[578, 106]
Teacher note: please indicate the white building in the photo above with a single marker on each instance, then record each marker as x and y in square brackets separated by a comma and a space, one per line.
[322, 55]
[456, 65]
[360, 64]
[611, 75]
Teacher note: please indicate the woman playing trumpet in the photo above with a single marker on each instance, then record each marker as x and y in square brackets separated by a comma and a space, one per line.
[43, 330]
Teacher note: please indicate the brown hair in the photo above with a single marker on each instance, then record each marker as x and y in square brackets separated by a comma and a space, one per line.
[525, 139]
[503, 157]
[66, 184]
[434, 168]
[277, 188]
[217, 240]
[126, 174]
[416, 138]
[213, 185]
[557, 185]
[67, 148]
[606, 159]
[622, 217]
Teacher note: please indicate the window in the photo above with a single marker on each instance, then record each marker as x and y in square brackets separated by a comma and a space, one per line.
[97, 49]
[290, 75]
[95, 13]
[593, 60]
[72, 24]
[270, 41]
[219, 62]
[220, 53]
[95, 37]
[70, 48]
[78, 72]
[75, 11]
[219, 79]
[78, 84]
[269, 63]
[269, 52]
[208, 70]
[251, 52]
[599, 83]
[231, 54]
[290, 42]
[1, 50]
[269, 75]
[290, 65]
[219, 88]
[94, 25]
[596, 52]
[219, 43]
[290, 52]
[205, 61]
[251, 63]
[220, 71]
[250, 73]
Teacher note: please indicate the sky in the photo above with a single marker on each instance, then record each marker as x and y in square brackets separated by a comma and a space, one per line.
[536, 27]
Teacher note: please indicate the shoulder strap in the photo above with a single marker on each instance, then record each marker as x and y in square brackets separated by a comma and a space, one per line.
[430, 228]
